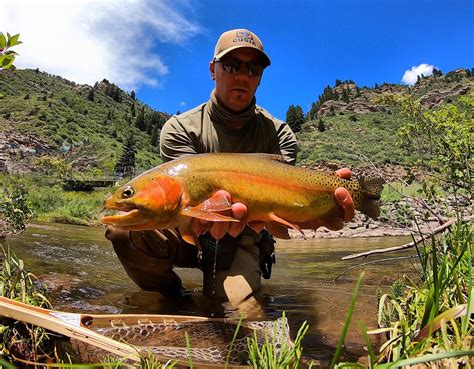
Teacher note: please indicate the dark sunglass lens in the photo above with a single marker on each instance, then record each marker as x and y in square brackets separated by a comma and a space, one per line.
[231, 66]
[255, 70]
[235, 66]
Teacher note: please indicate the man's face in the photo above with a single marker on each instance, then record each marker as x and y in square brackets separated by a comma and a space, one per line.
[236, 89]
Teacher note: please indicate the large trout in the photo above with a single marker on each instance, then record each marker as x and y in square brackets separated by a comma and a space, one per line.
[277, 193]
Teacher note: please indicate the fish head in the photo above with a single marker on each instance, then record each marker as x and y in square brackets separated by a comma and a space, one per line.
[147, 202]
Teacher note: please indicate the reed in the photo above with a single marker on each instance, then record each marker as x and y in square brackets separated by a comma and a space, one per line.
[277, 353]
[432, 318]
[18, 339]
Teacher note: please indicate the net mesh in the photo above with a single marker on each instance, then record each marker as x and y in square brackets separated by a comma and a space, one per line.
[209, 341]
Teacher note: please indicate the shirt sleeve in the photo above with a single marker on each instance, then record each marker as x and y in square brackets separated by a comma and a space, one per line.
[286, 144]
[175, 141]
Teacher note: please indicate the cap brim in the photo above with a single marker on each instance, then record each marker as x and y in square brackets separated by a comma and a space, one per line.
[262, 53]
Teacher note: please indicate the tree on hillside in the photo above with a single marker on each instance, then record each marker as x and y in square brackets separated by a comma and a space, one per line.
[321, 126]
[126, 163]
[140, 121]
[295, 117]
[90, 95]
[437, 73]
[132, 95]
[155, 136]
[328, 94]
[299, 117]
[154, 119]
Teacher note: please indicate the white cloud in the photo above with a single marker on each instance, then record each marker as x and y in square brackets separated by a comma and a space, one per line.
[88, 40]
[183, 103]
[410, 76]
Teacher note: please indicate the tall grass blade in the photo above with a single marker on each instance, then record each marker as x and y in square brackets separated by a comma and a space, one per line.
[435, 324]
[425, 359]
[342, 338]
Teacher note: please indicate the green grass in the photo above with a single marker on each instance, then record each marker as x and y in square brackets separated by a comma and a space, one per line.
[49, 202]
[59, 113]
[372, 135]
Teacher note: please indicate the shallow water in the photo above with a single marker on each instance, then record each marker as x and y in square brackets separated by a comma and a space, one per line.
[79, 264]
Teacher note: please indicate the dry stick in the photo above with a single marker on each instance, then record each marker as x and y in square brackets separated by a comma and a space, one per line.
[371, 262]
[408, 245]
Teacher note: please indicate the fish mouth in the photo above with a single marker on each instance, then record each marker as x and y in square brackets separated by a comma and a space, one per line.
[127, 217]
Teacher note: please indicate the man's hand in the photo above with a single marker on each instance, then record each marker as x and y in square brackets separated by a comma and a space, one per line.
[239, 211]
[219, 229]
[343, 197]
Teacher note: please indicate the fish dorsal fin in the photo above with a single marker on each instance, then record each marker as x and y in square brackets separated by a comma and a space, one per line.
[277, 219]
[274, 157]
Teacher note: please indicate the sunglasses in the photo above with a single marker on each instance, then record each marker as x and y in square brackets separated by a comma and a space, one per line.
[234, 66]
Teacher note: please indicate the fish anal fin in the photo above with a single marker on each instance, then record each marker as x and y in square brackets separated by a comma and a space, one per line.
[333, 219]
[278, 230]
[277, 219]
[195, 212]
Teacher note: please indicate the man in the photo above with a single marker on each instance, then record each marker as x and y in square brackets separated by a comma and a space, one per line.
[234, 255]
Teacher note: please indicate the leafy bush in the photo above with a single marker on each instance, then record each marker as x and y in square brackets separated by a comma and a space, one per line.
[15, 210]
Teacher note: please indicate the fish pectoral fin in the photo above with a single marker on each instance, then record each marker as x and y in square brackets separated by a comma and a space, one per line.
[216, 203]
[195, 212]
[188, 235]
[278, 230]
[277, 219]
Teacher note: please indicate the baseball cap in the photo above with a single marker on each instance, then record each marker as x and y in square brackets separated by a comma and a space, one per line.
[237, 38]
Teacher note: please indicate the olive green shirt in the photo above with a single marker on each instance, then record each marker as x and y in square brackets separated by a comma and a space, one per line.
[193, 132]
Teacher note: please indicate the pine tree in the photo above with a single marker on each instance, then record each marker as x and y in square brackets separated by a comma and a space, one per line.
[140, 121]
[299, 118]
[132, 95]
[321, 126]
[290, 117]
[155, 136]
[126, 164]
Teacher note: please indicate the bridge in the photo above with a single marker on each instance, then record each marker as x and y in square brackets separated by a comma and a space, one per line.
[88, 184]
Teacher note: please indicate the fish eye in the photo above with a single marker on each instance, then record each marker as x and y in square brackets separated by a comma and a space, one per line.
[127, 192]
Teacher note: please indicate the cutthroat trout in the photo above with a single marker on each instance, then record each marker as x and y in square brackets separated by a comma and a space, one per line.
[279, 194]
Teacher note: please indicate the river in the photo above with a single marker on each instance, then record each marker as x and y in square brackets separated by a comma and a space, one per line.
[81, 268]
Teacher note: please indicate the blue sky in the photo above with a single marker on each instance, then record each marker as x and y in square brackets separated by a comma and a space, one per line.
[162, 49]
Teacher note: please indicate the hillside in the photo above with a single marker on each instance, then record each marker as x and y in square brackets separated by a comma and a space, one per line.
[42, 114]
[347, 126]
[86, 125]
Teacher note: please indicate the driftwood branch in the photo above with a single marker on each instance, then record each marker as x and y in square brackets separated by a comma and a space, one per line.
[437, 230]
[371, 262]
